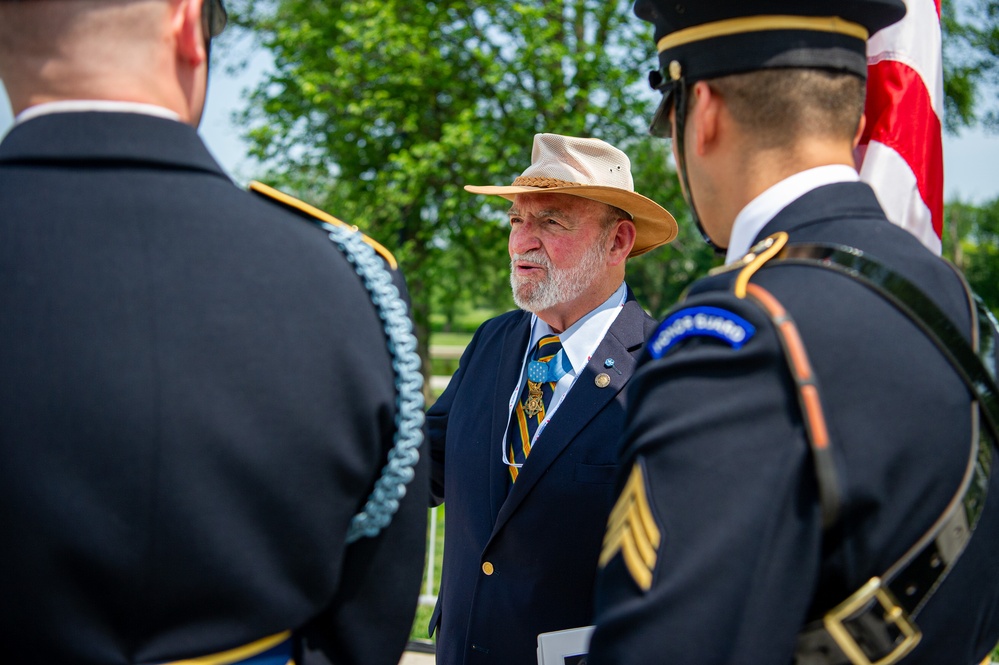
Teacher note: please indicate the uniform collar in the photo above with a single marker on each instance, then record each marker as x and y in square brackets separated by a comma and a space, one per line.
[751, 219]
[88, 138]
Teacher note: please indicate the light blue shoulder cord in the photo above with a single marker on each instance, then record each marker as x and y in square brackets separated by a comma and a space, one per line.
[390, 488]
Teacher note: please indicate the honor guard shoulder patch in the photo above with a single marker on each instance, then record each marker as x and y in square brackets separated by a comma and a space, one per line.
[700, 322]
[315, 213]
[632, 531]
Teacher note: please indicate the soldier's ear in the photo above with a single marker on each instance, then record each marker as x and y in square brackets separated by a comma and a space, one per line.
[860, 130]
[188, 31]
[704, 114]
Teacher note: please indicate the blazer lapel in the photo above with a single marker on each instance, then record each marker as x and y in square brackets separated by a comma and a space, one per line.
[584, 401]
[507, 377]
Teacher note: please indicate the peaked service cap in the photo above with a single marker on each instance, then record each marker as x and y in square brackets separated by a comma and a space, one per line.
[591, 169]
[701, 39]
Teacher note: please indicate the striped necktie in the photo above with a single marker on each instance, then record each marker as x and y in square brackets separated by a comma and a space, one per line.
[542, 375]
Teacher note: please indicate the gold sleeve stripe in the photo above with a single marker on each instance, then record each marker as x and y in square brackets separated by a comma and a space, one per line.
[632, 531]
[239, 653]
[312, 211]
[741, 25]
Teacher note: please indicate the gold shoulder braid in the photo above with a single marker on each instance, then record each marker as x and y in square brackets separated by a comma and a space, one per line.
[303, 207]
[759, 254]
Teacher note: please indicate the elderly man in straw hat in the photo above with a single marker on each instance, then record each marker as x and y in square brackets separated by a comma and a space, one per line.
[524, 438]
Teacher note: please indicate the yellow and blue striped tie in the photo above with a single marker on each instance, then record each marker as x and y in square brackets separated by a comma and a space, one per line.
[532, 405]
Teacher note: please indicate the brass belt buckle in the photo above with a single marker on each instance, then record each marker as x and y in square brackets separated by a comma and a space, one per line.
[893, 613]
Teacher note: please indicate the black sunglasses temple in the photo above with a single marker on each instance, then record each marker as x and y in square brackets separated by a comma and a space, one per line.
[215, 17]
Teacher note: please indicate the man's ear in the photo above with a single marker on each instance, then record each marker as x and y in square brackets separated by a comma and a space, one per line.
[188, 31]
[622, 241]
[704, 116]
[861, 126]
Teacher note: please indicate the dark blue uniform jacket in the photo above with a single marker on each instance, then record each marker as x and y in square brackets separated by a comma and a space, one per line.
[195, 398]
[743, 562]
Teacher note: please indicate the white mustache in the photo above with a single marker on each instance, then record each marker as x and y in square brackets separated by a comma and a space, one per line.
[534, 256]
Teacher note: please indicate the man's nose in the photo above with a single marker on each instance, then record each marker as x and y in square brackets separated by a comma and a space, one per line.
[523, 238]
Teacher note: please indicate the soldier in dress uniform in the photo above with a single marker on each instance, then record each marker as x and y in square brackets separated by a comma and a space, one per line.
[806, 473]
[196, 390]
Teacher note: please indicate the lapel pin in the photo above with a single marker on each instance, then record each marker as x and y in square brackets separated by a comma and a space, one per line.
[609, 364]
[602, 380]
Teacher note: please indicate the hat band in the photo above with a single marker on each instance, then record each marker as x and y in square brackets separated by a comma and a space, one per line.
[537, 181]
[742, 25]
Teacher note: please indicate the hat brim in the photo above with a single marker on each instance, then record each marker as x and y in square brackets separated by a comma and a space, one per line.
[654, 225]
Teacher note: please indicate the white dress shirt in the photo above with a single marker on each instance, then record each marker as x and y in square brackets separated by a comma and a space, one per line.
[579, 341]
[103, 105]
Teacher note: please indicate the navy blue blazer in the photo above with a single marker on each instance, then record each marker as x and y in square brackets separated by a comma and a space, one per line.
[521, 562]
[743, 562]
[195, 398]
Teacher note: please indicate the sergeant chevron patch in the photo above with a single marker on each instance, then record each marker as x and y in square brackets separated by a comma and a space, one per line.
[632, 531]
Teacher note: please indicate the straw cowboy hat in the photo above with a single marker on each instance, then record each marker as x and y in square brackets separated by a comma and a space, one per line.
[595, 170]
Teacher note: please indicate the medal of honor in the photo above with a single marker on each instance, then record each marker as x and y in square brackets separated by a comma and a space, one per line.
[537, 373]
[534, 403]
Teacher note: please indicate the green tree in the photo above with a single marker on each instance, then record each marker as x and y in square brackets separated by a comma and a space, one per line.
[971, 242]
[970, 53]
[380, 111]
[660, 277]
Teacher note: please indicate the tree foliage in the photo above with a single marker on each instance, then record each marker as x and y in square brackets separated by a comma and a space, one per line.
[660, 277]
[380, 112]
[970, 53]
[971, 242]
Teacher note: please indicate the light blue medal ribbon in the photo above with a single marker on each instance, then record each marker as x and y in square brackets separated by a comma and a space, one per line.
[549, 371]
[540, 372]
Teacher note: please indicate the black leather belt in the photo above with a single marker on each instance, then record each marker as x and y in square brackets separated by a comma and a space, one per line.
[876, 624]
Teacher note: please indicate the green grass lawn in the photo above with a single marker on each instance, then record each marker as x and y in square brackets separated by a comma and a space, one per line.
[467, 320]
[450, 338]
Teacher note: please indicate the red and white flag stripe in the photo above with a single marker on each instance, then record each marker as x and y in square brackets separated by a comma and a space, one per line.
[901, 151]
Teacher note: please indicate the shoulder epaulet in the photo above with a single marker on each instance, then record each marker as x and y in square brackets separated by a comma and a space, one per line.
[261, 189]
[747, 266]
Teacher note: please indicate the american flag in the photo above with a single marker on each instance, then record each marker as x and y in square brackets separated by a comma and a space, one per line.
[901, 150]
